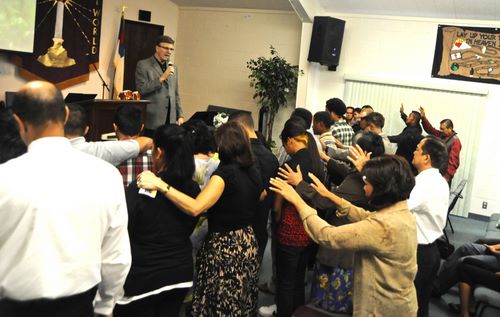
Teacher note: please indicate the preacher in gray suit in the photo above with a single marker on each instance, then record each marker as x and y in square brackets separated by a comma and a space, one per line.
[156, 80]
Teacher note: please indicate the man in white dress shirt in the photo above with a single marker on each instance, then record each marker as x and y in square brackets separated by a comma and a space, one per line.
[429, 202]
[63, 233]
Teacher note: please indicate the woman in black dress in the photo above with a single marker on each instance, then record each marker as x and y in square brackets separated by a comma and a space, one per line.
[227, 264]
[162, 263]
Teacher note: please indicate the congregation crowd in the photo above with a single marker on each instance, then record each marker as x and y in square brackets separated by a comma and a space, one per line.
[141, 225]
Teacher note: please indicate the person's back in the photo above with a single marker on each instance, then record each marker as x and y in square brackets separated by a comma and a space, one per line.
[162, 269]
[64, 212]
[387, 269]
[57, 197]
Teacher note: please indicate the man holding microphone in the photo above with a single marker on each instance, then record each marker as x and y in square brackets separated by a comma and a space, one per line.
[156, 80]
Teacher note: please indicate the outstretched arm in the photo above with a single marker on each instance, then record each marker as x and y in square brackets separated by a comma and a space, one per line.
[427, 125]
[192, 206]
[402, 113]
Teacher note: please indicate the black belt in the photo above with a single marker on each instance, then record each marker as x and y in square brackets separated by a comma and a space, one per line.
[426, 246]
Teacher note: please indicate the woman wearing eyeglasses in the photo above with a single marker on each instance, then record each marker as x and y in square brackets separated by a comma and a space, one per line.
[385, 242]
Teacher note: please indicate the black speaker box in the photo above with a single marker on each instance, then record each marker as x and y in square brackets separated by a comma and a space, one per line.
[144, 15]
[326, 41]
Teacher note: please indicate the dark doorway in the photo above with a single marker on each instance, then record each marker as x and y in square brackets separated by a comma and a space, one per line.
[140, 44]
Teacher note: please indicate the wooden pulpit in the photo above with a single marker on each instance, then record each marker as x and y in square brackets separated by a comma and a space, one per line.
[100, 114]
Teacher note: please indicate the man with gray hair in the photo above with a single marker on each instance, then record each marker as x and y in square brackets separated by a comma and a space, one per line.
[156, 80]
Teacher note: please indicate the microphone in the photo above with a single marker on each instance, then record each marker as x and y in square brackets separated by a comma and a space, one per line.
[171, 64]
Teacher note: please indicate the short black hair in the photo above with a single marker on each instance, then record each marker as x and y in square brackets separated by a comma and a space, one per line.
[304, 114]
[376, 118]
[201, 136]
[38, 109]
[299, 120]
[77, 120]
[391, 178]
[164, 39]
[128, 119]
[233, 145]
[447, 123]
[350, 107]
[11, 144]
[417, 115]
[437, 151]
[243, 117]
[323, 117]
[357, 109]
[336, 105]
[370, 142]
[178, 154]
[292, 128]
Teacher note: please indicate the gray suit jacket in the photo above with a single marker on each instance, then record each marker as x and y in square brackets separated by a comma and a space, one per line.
[147, 81]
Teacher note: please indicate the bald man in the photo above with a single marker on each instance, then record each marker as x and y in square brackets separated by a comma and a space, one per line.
[63, 234]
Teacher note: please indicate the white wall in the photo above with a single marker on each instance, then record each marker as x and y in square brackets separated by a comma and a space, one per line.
[214, 46]
[402, 49]
[162, 12]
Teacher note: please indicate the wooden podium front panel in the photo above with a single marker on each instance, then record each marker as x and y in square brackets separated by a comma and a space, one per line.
[100, 113]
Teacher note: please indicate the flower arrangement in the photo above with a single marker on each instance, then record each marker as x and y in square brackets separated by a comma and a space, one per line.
[220, 119]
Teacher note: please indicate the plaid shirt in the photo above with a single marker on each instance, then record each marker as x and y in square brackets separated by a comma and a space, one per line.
[134, 166]
[343, 132]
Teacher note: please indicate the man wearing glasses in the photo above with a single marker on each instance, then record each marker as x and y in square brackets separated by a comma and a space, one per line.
[156, 80]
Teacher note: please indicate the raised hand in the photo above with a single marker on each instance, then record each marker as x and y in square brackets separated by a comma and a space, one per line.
[358, 157]
[148, 180]
[288, 192]
[288, 174]
[323, 156]
[402, 108]
[338, 143]
[318, 186]
[422, 111]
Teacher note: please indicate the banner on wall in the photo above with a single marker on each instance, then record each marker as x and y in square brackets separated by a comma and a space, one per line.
[67, 37]
[467, 53]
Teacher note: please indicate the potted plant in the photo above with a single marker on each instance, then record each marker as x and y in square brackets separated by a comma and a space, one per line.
[274, 80]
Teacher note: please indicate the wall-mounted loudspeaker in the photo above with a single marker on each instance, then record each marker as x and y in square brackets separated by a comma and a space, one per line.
[326, 41]
[144, 15]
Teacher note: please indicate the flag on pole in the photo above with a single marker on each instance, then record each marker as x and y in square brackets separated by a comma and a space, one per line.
[119, 60]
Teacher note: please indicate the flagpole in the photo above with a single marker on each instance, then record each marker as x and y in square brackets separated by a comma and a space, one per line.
[123, 8]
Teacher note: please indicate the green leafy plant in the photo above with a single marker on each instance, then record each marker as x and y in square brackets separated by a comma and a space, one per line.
[274, 80]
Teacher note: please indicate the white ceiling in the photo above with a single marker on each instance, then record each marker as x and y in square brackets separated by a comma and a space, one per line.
[446, 9]
[283, 5]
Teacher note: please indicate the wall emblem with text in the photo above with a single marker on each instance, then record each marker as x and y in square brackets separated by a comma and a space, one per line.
[467, 53]
[67, 39]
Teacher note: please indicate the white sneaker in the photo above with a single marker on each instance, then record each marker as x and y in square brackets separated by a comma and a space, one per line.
[267, 311]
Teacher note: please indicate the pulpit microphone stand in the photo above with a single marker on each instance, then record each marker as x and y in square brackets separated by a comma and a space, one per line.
[104, 85]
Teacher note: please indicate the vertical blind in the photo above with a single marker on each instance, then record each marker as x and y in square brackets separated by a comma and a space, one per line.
[464, 107]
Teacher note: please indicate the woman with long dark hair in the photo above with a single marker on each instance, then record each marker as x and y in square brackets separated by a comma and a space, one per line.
[292, 254]
[162, 263]
[385, 242]
[227, 264]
